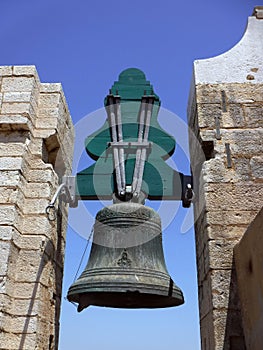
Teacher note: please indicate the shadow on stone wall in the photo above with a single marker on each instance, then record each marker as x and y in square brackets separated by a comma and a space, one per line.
[234, 335]
[53, 254]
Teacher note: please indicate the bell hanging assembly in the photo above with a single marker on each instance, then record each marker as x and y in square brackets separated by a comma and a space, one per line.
[126, 267]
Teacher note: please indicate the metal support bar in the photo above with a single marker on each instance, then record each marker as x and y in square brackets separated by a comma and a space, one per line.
[217, 124]
[228, 155]
[118, 156]
[143, 134]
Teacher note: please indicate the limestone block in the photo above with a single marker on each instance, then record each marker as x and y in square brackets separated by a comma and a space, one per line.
[35, 147]
[35, 162]
[17, 108]
[214, 170]
[218, 259]
[234, 117]
[10, 195]
[10, 341]
[244, 196]
[241, 141]
[256, 164]
[34, 206]
[17, 96]
[32, 224]
[6, 233]
[207, 114]
[9, 178]
[8, 214]
[49, 122]
[37, 267]
[50, 87]
[37, 190]
[19, 307]
[50, 100]
[230, 217]
[17, 84]
[11, 163]
[242, 168]
[43, 133]
[220, 284]
[48, 112]
[12, 149]
[40, 175]
[6, 70]
[225, 231]
[21, 324]
[30, 241]
[23, 290]
[254, 115]
[26, 70]
[15, 122]
[228, 331]
[244, 93]
[235, 93]
[4, 257]
[209, 93]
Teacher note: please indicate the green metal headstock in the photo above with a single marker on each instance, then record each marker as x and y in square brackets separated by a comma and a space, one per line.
[130, 149]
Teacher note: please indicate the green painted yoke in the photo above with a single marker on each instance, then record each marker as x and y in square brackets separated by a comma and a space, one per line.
[160, 181]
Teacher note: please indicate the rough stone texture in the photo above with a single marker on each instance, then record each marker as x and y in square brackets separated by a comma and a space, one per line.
[249, 261]
[36, 143]
[225, 115]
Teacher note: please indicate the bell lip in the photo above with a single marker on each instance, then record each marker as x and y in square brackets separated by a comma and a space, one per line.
[126, 300]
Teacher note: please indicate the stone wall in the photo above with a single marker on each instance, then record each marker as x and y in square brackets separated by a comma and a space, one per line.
[36, 142]
[248, 255]
[226, 116]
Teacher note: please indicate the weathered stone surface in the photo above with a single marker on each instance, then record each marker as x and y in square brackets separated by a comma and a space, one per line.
[9, 178]
[18, 84]
[15, 122]
[13, 341]
[232, 218]
[30, 268]
[7, 214]
[256, 164]
[249, 262]
[5, 251]
[37, 190]
[17, 96]
[245, 196]
[26, 70]
[49, 100]
[6, 70]
[11, 163]
[50, 87]
[40, 175]
[226, 107]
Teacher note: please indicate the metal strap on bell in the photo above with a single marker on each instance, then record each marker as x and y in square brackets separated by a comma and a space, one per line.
[126, 267]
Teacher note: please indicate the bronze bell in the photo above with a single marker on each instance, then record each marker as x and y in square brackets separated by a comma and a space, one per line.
[126, 267]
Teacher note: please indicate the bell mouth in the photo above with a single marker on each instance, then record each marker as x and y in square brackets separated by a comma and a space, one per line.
[127, 300]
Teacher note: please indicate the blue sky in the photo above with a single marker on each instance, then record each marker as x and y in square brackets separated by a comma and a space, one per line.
[85, 45]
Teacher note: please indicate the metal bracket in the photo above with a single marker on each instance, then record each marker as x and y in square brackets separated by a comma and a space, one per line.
[66, 191]
[69, 192]
[188, 194]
